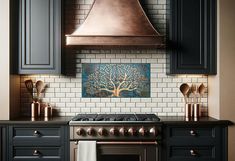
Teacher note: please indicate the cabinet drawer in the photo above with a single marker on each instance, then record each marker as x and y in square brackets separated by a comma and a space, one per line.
[192, 132]
[185, 153]
[37, 153]
[37, 136]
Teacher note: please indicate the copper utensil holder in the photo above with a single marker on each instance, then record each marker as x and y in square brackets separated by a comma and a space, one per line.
[48, 111]
[188, 110]
[35, 109]
[192, 110]
[196, 110]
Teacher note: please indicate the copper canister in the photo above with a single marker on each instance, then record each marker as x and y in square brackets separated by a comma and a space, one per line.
[48, 111]
[35, 109]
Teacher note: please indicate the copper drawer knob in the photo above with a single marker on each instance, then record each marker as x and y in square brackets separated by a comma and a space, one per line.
[192, 133]
[193, 153]
[36, 153]
[36, 133]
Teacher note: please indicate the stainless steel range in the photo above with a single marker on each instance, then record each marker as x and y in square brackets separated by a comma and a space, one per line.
[118, 136]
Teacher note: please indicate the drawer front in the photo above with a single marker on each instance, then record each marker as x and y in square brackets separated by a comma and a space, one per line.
[37, 153]
[192, 132]
[185, 153]
[38, 136]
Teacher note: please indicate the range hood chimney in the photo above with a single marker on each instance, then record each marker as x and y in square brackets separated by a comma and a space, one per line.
[116, 23]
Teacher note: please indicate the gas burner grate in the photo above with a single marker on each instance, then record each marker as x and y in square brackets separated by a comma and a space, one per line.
[85, 117]
[116, 117]
[147, 117]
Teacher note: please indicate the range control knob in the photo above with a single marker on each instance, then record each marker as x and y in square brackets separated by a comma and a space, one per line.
[153, 131]
[90, 131]
[80, 131]
[132, 132]
[102, 132]
[113, 131]
[123, 131]
[142, 131]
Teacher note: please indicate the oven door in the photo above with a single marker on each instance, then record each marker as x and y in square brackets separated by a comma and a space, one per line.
[116, 151]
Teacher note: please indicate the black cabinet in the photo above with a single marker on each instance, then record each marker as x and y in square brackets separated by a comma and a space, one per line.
[3, 144]
[39, 34]
[191, 26]
[38, 142]
[195, 142]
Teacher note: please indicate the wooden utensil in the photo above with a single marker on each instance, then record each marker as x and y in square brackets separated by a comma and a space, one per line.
[29, 86]
[201, 91]
[184, 88]
[39, 87]
[194, 91]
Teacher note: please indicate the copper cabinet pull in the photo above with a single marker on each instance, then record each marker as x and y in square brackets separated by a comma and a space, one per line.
[193, 133]
[36, 153]
[36, 133]
[192, 152]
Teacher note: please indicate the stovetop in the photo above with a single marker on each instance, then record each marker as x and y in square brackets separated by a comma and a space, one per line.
[114, 118]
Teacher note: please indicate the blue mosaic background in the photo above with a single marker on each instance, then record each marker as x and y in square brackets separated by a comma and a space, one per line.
[116, 80]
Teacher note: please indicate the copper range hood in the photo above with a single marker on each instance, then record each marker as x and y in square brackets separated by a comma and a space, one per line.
[116, 23]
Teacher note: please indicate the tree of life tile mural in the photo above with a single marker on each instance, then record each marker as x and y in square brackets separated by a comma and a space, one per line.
[116, 80]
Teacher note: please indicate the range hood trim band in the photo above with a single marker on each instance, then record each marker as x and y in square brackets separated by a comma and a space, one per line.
[117, 40]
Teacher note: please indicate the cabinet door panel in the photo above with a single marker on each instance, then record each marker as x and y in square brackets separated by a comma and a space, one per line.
[39, 29]
[192, 37]
[40, 36]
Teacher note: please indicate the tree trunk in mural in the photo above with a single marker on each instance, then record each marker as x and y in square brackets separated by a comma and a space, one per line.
[111, 80]
[116, 90]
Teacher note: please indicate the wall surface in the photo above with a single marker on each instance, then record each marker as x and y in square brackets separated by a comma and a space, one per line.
[223, 83]
[64, 92]
[4, 60]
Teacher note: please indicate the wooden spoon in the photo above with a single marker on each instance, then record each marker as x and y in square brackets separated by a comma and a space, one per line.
[29, 86]
[201, 91]
[184, 88]
[194, 91]
[39, 87]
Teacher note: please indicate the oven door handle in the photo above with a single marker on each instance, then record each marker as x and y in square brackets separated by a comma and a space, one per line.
[125, 142]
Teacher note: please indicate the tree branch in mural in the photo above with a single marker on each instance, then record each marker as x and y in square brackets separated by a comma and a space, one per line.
[115, 78]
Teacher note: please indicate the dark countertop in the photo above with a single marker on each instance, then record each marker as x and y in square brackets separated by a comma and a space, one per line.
[180, 120]
[28, 120]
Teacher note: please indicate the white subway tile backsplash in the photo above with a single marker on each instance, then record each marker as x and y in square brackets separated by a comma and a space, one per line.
[65, 92]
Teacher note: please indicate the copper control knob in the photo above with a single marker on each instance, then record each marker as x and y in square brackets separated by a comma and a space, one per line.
[153, 131]
[123, 131]
[90, 131]
[113, 131]
[142, 131]
[80, 131]
[102, 132]
[132, 131]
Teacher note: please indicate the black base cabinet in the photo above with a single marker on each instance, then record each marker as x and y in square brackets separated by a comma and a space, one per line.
[38, 142]
[195, 143]
[191, 37]
[36, 30]
[3, 143]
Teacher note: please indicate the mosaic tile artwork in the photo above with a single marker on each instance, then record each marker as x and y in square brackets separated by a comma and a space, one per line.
[116, 80]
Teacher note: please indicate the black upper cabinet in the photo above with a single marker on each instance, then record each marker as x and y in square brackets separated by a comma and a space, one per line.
[39, 34]
[191, 37]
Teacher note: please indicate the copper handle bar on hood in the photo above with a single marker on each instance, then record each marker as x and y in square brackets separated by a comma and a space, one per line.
[124, 143]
